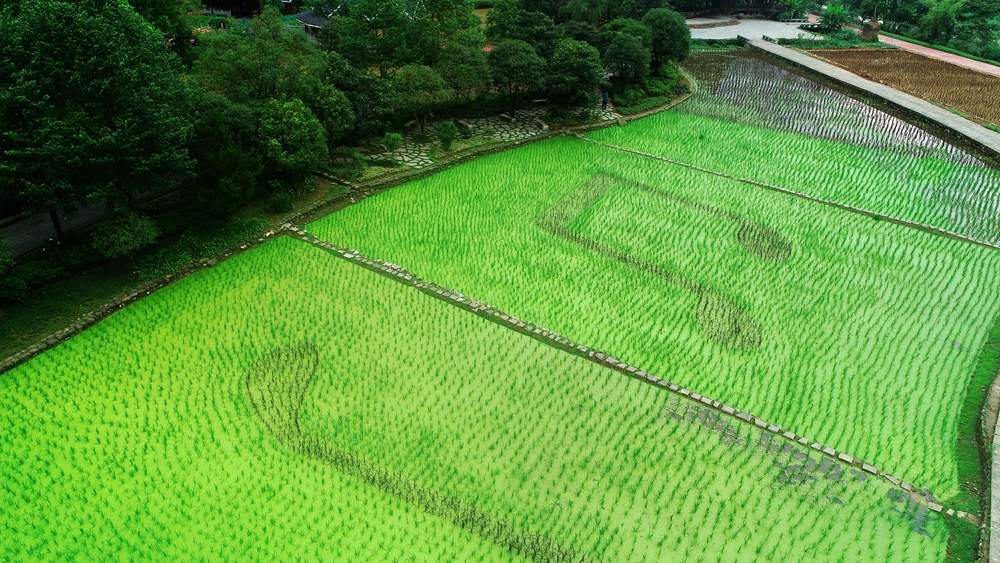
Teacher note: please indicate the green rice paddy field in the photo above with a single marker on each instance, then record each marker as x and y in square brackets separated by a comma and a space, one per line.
[215, 418]
[861, 334]
[288, 404]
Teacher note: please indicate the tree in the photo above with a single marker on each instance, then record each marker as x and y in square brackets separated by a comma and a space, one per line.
[938, 23]
[635, 28]
[334, 111]
[373, 98]
[593, 12]
[266, 61]
[581, 31]
[293, 140]
[834, 17]
[627, 59]
[977, 28]
[574, 73]
[421, 89]
[671, 36]
[463, 64]
[228, 155]
[516, 68]
[170, 17]
[92, 106]
[635, 9]
[124, 235]
[388, 34]
[508, 21]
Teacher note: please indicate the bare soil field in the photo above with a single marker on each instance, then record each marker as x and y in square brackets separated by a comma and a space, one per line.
[973, 93]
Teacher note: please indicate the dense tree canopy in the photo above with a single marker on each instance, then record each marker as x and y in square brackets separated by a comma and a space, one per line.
[575, 73]
[112, 101]
[294, 141]
[671, 36]
[627, 58]
[421, 89]
[87, 119]
[508, 21]
[516, 67]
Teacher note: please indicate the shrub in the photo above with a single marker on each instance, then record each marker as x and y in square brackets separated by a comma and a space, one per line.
[671, 36]
[835, 16]
[6, 256]
[392, 141]
[447, 132]
[124, 235]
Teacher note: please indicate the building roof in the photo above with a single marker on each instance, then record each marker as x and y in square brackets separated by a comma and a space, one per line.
[311, 19]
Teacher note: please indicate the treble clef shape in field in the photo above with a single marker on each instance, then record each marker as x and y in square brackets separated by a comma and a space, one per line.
[278, 384]
[721, 319]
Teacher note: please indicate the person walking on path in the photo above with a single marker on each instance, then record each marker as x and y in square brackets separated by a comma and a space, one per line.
[604, 99]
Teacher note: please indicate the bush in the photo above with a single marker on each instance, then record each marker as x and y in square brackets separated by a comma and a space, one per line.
[6, 257]
[392, 141]
[447, 132]
[124, 235]
[348, 164]
[209, 240]
[835, 16]
[671, 36]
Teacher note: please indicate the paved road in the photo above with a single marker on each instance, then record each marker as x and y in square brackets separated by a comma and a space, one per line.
[941, 55]
[752, 29]
[973, 131]
[37, 231]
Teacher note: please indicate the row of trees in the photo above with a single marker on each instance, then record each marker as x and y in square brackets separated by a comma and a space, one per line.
[972, 26]
[103, 101]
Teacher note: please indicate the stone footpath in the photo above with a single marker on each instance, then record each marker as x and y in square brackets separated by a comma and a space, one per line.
[516, 126]
[493, 314]
[976, 133]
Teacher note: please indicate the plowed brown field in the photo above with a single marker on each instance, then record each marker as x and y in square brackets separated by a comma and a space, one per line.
[971, 92]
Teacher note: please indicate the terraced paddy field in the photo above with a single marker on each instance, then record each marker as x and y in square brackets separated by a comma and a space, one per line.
[289, 404]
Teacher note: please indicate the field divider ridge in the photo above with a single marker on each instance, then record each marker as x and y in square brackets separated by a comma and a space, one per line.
[490, 313]
[937, 231]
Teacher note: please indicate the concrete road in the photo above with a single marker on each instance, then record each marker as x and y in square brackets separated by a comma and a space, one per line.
[751, 29]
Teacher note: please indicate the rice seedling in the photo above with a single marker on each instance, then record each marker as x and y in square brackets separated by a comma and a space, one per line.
[288, 404]
[858, 333]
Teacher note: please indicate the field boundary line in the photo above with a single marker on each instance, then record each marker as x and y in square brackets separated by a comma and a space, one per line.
[497, 316]
[830, 203]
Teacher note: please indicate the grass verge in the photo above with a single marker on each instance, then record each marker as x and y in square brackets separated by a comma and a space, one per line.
[971, 451]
